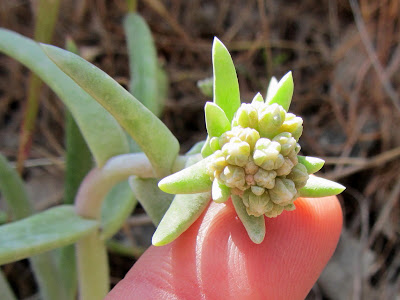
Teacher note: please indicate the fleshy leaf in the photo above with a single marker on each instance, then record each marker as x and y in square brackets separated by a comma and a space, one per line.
[320, 187]
[216, 121]
[103, 134]
[191, 180]
[312, 164]
[154, 201]
[284, 92]
[220, 192]
[142, 62]
[255, 226]
[206, 149]
[196, 148]
[154, 138]
[53, 228]
[257, 99]
[226, 85]
[272, 88]
[116, 208]
[183, 212]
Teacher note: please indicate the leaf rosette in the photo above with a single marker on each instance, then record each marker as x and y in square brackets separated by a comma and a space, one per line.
[251, 154]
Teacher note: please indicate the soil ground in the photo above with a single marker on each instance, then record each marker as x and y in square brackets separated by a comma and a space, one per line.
[345, 59]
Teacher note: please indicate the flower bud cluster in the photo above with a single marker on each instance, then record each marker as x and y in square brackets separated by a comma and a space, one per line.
[257, 158]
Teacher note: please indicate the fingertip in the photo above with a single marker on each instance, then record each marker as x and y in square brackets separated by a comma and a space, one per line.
[215, 258]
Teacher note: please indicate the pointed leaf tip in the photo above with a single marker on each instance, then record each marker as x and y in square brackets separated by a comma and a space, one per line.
[191, 180]
[320, 187]
[255, 226]
[284, 91]
[226, 85]
[312, 164]
[216, 121]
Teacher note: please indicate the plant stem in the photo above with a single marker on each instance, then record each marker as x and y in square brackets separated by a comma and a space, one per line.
[93, 273]
[132, 5]
[99, 181]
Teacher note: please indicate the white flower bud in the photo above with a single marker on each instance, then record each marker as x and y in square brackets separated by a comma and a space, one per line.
[233, 177]
[286, 167]
[246, 116]
[270, 119]
[265, 179]
[236, 152]
[283, 192]
[265, 150]
[287, 142]
[275, 211]
[299, 175]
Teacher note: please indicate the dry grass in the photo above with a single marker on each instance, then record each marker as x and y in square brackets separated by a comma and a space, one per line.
[345, 57]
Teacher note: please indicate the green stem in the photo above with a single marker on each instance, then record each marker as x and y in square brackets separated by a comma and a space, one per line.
[99, 181]
[93, 273]
[132, 5]
[6, 293]
[47, 277]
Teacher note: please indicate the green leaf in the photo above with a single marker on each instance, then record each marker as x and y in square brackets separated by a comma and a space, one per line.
[43, 266]
[13, 190]
[320, 187]
[284, 92]
[255, 226]
[206, 149]
[272, 88]
[216, 121]
[154, 201]
[226, 85]
[53, 228]
[196, 148]
[101, 131]
[116, 208]
[257, 99]
[183, 212]
[78, 159]
[152, 136]
[142, 62]
[220, 192]
[191, 180]
[312, 164]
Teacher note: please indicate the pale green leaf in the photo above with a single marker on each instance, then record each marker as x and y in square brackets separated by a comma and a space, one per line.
[220, 192]
[101, 131]
[116, 208]
[53, 228]
[191, 180]
[312, 164]
[216, 121]
[183, 212]
[272, 88]
[255, 226]
[142, 62]
[320, 187]
[284, 92]
[154, 201]
[152, 136]
[226, 85]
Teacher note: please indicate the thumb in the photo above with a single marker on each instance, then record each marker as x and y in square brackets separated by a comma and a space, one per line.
[215, 259]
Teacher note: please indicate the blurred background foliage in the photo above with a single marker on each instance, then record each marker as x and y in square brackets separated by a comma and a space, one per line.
[345, 58]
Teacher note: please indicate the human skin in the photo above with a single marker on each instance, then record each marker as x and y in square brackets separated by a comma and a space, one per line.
[215, 259]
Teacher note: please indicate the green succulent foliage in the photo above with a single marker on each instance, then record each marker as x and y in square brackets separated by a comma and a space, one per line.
[250, 155]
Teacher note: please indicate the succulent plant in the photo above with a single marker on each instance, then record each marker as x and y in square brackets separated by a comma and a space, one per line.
[252, 152]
